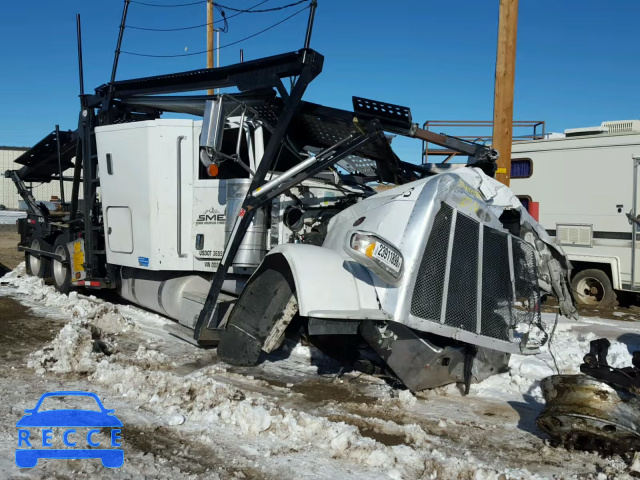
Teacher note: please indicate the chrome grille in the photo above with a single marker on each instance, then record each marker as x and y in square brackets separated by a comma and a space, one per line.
[497, 296]
[427, 293]
[463, 278]
[486, 278]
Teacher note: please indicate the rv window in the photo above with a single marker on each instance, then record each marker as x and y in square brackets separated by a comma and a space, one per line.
[521, 168]
[524, 200]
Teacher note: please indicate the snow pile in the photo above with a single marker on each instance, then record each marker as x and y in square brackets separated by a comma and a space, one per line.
[145, 358]
[199, 399]
[406, 398]
[87, 344]
[75, 349]
[202, 400]
[568, 347]
[103, 315]
[81, 343]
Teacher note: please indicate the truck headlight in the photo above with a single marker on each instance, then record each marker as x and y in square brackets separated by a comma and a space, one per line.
[379, 255]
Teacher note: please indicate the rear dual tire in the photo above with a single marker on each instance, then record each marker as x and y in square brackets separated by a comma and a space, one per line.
[61, 272]
[38, 266]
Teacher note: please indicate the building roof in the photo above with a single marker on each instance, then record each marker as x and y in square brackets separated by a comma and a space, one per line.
[6, 147]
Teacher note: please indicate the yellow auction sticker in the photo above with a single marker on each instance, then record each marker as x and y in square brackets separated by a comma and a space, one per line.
[78, 257]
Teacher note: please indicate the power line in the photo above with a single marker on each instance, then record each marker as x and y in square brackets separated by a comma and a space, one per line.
[225, 17]
[274, 9]
[218, 48]
[133, 27]
[171, 5]
[239, 10]
[249, 9]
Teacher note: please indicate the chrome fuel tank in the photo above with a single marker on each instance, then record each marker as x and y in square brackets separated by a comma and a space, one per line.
[254, 246]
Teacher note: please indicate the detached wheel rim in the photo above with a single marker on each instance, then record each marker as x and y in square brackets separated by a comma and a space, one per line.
[34, 262]
[59, 269]
[590, 290]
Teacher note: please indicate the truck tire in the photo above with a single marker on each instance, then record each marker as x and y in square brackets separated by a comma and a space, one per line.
[260, 306]
[592, 287]
[38, 267]
[61, 273]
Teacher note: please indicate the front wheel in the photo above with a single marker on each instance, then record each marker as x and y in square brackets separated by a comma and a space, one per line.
[262, 313]
[592, 287]
[61, 270]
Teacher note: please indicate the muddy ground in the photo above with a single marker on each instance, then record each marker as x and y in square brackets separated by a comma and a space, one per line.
[153, 450]
[496, 433]
[455, 431]
[10, 257]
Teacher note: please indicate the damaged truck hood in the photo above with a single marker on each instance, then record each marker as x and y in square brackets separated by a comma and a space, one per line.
[412, 217]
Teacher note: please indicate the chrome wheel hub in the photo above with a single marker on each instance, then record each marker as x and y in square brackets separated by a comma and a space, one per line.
[59, 269]
[590, 290]
[34, 262]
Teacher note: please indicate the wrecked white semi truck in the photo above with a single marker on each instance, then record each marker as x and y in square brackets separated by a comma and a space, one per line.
[272, 213]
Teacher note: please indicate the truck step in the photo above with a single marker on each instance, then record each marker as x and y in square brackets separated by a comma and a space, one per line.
[192, 303]
[208, 338]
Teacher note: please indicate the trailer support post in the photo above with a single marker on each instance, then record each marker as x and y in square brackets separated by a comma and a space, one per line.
[60, 164]
[292, 103]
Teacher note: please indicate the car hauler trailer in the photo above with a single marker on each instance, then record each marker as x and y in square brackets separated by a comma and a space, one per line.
[589, 210]
[267, 210]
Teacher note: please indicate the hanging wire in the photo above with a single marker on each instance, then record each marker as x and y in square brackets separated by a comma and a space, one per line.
[249, 10]
[222, 12]
[172, 5]
[555, 362]
[274, 9]
[224, 29]
[240, 10]
[197, 26]
[137, 54]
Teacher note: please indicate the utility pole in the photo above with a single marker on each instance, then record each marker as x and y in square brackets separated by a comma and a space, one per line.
[504, 85]
[210, 37]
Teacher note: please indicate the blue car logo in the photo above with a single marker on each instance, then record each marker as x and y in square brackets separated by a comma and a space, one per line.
[69, 420]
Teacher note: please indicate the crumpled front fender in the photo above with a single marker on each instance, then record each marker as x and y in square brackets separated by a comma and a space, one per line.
[329, 285]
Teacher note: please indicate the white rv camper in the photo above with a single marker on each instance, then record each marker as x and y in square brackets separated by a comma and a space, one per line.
[585, 186]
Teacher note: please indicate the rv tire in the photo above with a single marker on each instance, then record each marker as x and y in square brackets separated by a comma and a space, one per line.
[592, 287]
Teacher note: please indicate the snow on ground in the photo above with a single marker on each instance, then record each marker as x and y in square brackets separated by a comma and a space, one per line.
[9, 217]
[285, 418]
[568, 345]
